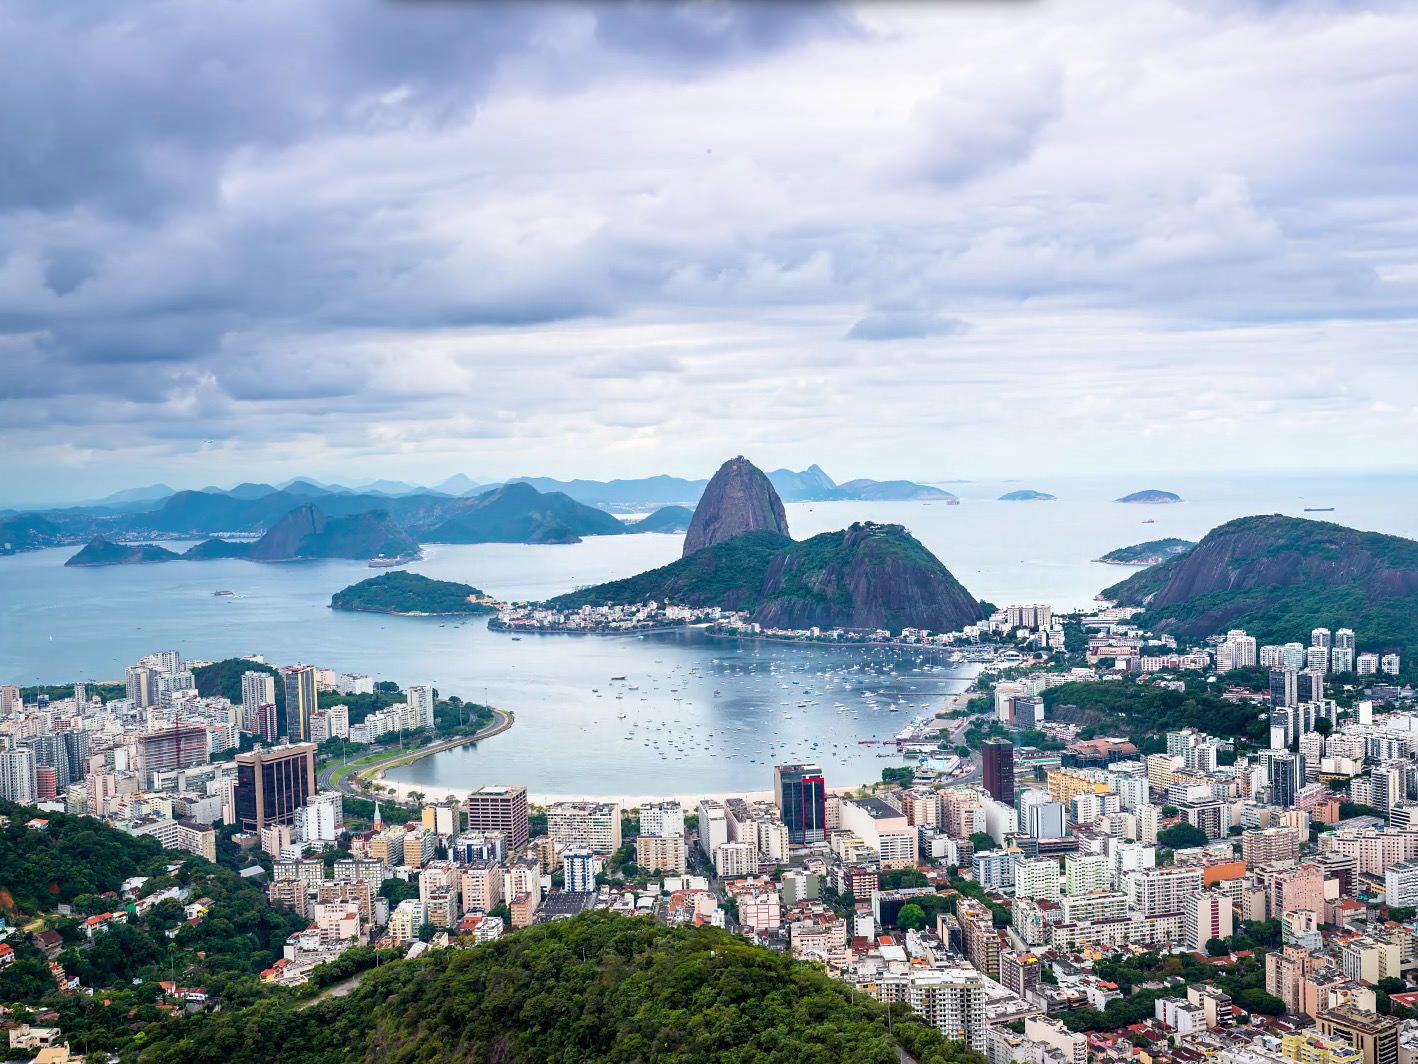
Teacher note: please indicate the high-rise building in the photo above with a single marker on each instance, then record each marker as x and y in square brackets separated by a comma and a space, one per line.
[578, 869]
[10, 701]
[1321, 637]
[1341, 659]
[420, 698]
[501, 809]
[1284, 687]
[662, 818]
[264, 722]
[17, 775]
[257, 689]
[800, 792]
[301, 700]
[998, 758]
[272, 784]
[1286, 774]
[1344, 638]
[142, 685]
[1373, 1035]
[81, 696]
[181, 746]
[952, 1000]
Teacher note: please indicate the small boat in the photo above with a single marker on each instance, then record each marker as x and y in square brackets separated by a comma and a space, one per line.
[1319, 509]
[224, 594]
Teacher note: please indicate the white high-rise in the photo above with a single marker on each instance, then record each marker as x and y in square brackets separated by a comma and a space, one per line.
[952, 1000]
[17, 775]
[420, 698]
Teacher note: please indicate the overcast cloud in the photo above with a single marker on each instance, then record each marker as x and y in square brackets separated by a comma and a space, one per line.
[247, 239]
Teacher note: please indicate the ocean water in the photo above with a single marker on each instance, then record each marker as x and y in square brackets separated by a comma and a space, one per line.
[674, 735]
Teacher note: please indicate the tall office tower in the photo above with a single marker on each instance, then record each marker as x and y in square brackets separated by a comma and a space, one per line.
[10, 701]
[264, 722]
[1344, 638]
[142, 685]
[272, 784]
[501, 809]
[17, 775]
[1320, 637]
[1284, 687]
[800, 792]
[299, 682]
[420, 699]
[998, 758]
[81, 696]
[578, 867]
[257, 689]
[1287, 776]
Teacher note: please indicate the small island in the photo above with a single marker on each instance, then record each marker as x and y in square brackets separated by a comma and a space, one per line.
[407, 594]
[1151, 495]
[99, 551]
[1150, 553]
[1027, 496]
[665, 519]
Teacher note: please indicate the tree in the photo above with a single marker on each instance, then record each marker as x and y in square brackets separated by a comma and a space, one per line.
[427, 931]
[1217, 947]
[911, 917]
[1180, 836]
[1391, 985]
[1255, 999]
[982, 842]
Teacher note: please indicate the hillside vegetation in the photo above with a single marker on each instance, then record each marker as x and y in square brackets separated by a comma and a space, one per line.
[596, 988]
[1279, 577]
[400, 591]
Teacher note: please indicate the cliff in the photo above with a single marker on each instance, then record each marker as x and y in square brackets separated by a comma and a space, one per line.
[99, 551]
[1278, 577]
[306, 532]
[739, 499]
[519, 513]
[866, 576]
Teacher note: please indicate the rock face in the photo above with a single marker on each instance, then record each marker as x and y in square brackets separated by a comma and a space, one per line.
[866, 576]
[739, 499]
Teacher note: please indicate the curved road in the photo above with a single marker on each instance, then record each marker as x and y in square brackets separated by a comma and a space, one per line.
[502, 720]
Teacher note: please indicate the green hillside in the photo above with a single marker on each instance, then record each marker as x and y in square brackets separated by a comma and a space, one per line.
[1279, 577]
[596, 989]
[400, 591]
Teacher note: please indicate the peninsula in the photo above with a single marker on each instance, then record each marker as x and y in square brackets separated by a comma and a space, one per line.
[407, 594]
[1150, 553]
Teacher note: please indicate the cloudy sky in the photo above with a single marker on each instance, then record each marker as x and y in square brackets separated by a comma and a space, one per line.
[248, 239]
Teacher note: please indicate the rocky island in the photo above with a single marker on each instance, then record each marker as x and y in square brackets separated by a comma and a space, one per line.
[738, 557]
[1275, 575]
[99, 551]
[1026, 495]
[1150, 553]
[407, 594]
[1151, 495]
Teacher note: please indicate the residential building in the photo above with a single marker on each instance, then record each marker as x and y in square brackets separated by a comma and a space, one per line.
[596, 824]
[661, 853]
[578, 865]
[952, 1000]
[1206, 916]
[1376, 1037]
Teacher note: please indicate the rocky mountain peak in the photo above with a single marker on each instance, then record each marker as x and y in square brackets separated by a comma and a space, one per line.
[740, 498]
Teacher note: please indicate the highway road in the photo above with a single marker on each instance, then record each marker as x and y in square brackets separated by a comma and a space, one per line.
[502, 720]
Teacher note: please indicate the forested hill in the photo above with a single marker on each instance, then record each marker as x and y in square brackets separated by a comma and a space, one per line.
[1279, 577]
[597, 989]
